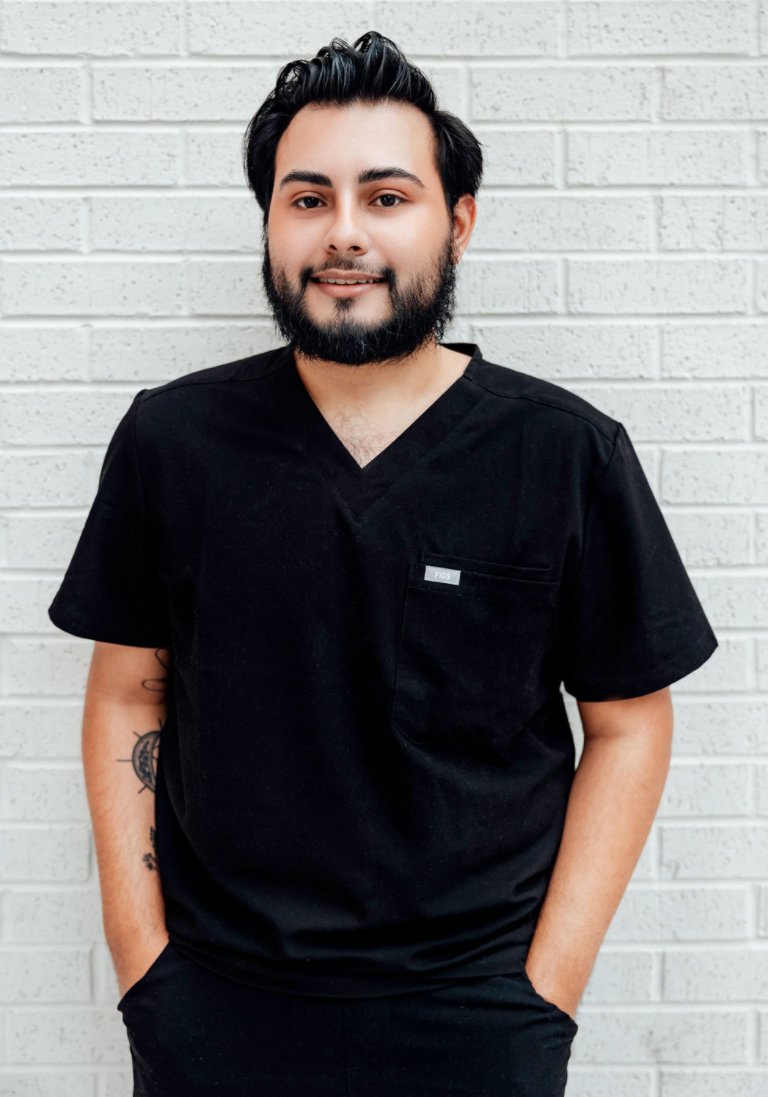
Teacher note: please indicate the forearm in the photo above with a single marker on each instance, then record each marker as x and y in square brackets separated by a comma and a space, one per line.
[614, 798]
[120, 742]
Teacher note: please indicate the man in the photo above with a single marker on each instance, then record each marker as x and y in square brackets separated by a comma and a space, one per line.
[335, 588]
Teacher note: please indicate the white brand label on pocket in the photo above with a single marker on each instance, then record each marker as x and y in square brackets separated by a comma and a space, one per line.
[442, 575]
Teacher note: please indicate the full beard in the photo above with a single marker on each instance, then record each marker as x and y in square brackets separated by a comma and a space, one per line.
[418, 315]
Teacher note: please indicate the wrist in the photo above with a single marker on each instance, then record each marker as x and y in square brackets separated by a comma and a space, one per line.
[128, 939]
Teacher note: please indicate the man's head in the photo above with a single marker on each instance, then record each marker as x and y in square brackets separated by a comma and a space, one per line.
[357, 172]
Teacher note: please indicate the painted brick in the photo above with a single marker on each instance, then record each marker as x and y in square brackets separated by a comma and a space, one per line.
[31, 730]
[609, 1082]
[714, 92]
[722, 222]
[563, 224]
[57, 854]
[174, 223]
[668, 913]
[709, 539]
[50, 794]
[102, 157]
[616, 27]
[93, 287]
[160, 352]
[510, 285]
[734, 601]
[102, 29]
[706, 789]
[713, 1083]
[178, 93]
[45, 975]
[561, 351]
[222, 27]
[661, 1035]
[641, 157]
[54, 916]
[41, 93]
[731, 349]
[637, 286]
[39, 224]
[720, 975]
[568, 93]
[726, 852]
[685, 413]
[522, 29]
[734, 726]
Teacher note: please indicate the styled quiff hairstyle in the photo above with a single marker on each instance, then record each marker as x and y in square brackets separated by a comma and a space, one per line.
[373, 70]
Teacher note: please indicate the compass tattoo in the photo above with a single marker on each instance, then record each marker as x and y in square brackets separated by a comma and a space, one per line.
[144, 757]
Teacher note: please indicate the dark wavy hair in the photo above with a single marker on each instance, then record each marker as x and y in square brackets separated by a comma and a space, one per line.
[373, 70]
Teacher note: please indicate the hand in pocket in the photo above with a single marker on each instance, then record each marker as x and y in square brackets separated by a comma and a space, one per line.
[133, 962]
[550, 1002]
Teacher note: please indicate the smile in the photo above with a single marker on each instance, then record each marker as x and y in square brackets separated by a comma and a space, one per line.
[338, 289]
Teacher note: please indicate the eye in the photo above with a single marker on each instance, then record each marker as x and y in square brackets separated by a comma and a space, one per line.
[314, 198]
[397, 196]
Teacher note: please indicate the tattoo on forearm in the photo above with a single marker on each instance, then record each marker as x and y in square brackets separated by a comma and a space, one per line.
[144, 761]
[160, 684]
[145, 751]
[144, 757]
[150, 859]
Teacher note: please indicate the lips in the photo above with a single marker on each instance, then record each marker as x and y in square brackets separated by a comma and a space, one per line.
[365, 281]
[334, 289]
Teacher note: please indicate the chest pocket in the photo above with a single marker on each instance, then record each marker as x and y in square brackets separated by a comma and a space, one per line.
[469, 652]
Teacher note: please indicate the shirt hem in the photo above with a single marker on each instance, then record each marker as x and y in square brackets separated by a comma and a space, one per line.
[251, 973]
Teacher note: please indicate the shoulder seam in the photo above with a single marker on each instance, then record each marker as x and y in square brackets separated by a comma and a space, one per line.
[544, 403]
[181, 382]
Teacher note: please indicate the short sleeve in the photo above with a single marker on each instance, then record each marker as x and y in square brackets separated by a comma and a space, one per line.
[111, 590]
[630, 622]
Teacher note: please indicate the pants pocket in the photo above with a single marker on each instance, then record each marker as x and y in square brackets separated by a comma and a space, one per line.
[555, 1010]
[147, 977]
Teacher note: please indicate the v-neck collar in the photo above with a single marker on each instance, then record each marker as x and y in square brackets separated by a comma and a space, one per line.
[361, 485]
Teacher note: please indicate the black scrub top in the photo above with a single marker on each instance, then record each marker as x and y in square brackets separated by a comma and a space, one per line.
[363, 776]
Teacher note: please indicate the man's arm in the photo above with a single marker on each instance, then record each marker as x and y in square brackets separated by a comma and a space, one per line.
[614, 798]
[125, 710]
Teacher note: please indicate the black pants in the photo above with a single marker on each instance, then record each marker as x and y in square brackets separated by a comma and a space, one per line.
[192, 1032]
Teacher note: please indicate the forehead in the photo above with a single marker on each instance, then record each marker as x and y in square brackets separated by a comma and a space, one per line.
[342, 140]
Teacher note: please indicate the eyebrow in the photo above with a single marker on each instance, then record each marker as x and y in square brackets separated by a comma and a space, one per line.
[370, 175]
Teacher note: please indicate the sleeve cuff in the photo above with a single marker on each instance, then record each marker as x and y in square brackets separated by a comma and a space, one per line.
[70, 619]
[624, 687]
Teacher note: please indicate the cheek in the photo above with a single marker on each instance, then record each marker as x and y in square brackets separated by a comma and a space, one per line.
[290, 245]
[418, 234]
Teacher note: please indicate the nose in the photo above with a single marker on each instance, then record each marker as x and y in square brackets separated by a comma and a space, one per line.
[346, 231]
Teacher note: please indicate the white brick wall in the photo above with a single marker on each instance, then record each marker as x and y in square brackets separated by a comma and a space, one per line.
[619, 250]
